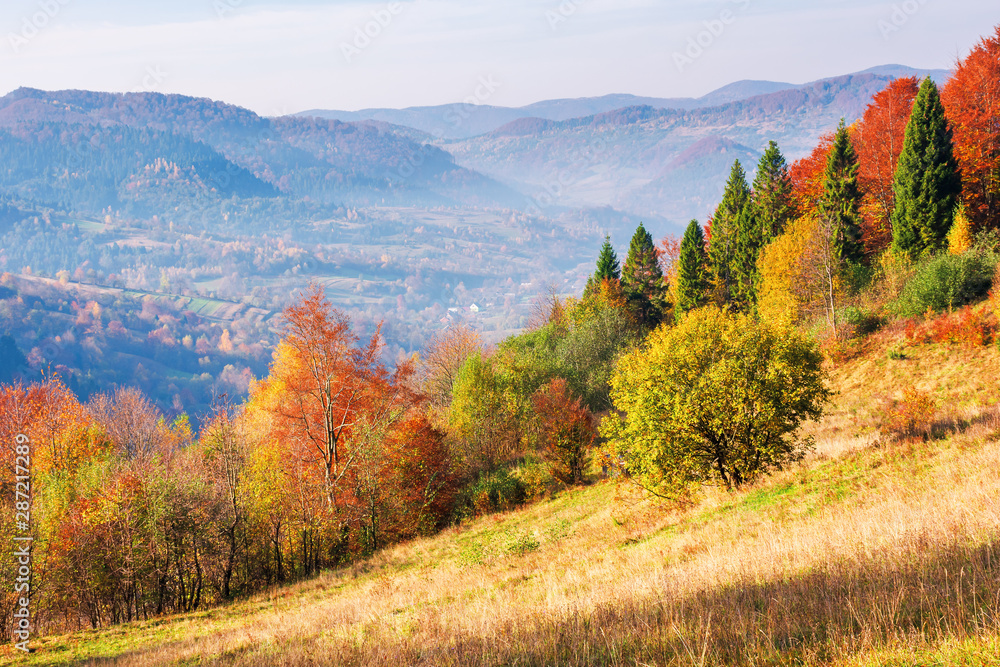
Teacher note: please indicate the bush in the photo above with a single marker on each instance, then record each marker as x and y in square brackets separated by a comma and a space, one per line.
[717, 399]
[947, 281]
[497, 491]
[863, 322]
[971, 326]
[908, 418]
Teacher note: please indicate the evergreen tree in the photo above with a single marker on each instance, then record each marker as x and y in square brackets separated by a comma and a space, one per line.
[720, 249]
[693, 285]
[749, 241]
[607, 267]
[772, 193]
[642, 278]
[927, 183]
[841, 198]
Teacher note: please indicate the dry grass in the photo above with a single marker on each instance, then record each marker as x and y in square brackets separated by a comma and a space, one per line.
[864, 554]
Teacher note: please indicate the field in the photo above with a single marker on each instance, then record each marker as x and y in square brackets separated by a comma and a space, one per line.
[869, 552]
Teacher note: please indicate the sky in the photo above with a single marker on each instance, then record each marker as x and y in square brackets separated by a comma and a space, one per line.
[284, 57]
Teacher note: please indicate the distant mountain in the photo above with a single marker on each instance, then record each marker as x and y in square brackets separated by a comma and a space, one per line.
[462, 121]
[637, 158]
[97, 150]
[141, 154]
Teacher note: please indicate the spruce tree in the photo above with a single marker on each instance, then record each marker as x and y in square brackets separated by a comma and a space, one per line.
[772, 193]
[693, 284]
[720, 249]
[841, 198]
[642, 278]
[607, 267]
[748, 242]
[927, 182]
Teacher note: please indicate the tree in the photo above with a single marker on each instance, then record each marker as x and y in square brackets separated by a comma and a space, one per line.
[718, 398]
[971, 98]
[927, 182]
[772, 194]
[808, 176]
[607, 266]
[878, 138]
[566, 430]
[693, 287]
[746, 250]
[133, 424]
[723, 232]
[839, 205]
[328, 383]
[445, 354]
[642, 278]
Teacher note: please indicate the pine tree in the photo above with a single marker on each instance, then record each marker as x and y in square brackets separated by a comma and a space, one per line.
[642, 278]
[720, 249]
[841, 200]
[607, 267]
[749, 241]
[772, 193]
[693, 284]
[927, 183]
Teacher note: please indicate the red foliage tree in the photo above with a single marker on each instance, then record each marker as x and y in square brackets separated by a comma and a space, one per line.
[807, 176]
[971, 99]
[878, 139]
[567, 430]
[420, 475]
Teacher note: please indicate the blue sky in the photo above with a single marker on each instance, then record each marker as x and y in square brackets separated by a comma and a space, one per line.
[285, 57]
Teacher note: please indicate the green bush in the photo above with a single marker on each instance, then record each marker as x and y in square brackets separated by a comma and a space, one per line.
[496, 491]
[947, 281]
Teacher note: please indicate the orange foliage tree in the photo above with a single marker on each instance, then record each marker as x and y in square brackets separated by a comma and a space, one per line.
[971, 99]
[332, 401]
[878, 139]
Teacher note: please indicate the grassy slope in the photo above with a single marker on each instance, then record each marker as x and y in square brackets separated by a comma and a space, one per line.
[864, 554]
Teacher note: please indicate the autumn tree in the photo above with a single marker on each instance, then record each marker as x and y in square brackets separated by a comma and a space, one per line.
[971, 98]
[927, 182]
[693, 286]
[227, 447]
[133, 424]
[566, 429]
[878, 139]
[445, 354]
[327, 384]
[808, 176]
[717, 399]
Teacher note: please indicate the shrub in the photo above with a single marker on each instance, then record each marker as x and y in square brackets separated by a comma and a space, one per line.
[863, 321]
[909, 417]
[947, 281]
[717, 399]
[497, 491]
[970, 326]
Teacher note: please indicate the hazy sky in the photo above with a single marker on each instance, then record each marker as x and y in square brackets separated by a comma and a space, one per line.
[290, 56]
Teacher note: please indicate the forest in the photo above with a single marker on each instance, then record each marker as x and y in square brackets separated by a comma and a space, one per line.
[693, 362]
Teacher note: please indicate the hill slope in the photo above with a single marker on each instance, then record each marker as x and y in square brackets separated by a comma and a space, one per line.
[863, 554]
